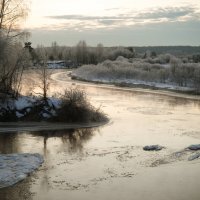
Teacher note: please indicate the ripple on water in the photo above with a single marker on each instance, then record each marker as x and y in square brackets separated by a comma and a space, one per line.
[149, 111]
[184, 155]
[194, 134]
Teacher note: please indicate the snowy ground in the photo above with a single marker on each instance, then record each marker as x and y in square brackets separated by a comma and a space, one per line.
[16, 167]
[23, 105]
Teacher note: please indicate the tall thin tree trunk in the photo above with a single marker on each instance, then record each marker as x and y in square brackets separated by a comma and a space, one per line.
[2, 13]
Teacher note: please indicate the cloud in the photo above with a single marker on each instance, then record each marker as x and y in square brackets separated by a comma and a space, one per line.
[84, 17]
[170, 33]
[169, 13]
[126, 19]
[111, 9]
[110, 21]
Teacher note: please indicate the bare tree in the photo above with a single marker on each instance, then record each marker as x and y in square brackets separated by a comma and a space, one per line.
[12, 12]
[12, 54]
[82, 52]
[100, 52]
[13, 60]
[196, 79]
[43, 72]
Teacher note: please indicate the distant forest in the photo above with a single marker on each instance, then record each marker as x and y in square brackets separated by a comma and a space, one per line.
[82, 53]
[175, 50]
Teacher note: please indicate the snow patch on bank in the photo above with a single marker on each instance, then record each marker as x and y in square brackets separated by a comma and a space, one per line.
[93, 77]
[130, 82]
[16, 167]
[23, 105]
[23, 101]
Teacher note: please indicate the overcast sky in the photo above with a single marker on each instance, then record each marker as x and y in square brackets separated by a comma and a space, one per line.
[115, 22]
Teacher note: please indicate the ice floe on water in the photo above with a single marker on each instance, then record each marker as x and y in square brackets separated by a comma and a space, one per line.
[194, 156]
[153, 148]
[16, 167]
[194, 147]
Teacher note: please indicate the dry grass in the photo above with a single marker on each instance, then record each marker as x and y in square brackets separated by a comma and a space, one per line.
[75, 107]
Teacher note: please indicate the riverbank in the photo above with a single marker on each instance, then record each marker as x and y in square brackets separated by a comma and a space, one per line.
[65, 77]
[139, 84]
[172, 76]
[72, 106]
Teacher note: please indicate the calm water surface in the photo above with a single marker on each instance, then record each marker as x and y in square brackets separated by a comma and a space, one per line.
[108, 162]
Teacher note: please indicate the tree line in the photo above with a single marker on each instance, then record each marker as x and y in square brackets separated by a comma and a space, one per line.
[81, 53]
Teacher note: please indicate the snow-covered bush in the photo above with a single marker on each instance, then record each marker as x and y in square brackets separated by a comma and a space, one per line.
[161, 59]
[120, 51]
[121, 70]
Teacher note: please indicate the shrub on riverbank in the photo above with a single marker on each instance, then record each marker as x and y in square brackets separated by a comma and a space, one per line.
[75, 107]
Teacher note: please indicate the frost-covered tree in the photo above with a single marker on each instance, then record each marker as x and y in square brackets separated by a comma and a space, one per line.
[196, 78]
[120, 51]
[196, 58]
[100, 52]
[12, 13]
[82, 52]
[12, 53]
[13, 60]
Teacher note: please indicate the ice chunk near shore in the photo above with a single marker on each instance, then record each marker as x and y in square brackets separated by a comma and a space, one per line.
[194, 147]
[195, 156]
[153, 148]
[16, 167]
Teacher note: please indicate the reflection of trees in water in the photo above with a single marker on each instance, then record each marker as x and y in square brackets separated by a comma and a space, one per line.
[178, 101]
[170, 101]
[72, 141]
[9, 143]
[142, 96]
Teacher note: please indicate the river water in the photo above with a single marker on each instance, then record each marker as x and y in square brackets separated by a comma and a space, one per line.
[108, 162]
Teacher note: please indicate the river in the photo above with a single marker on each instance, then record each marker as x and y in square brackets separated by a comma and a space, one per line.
[109, 162]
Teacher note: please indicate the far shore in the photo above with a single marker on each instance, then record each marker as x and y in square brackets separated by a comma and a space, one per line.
[61, 76]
